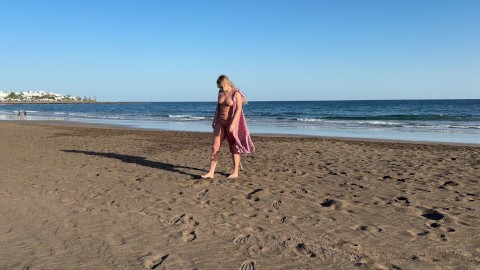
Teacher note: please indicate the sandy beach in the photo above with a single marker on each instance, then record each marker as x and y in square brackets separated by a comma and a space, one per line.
[110, 198]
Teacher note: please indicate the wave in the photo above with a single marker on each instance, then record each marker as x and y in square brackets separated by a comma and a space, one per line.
[185, 117]
[407, 117]
[376, 122]
[464, 127]
[386, 124]
[15, 112]
[310, 120]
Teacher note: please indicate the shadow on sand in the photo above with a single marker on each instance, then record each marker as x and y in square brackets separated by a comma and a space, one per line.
[141, 161]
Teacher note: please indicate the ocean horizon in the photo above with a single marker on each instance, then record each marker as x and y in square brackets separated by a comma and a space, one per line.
[435, 120]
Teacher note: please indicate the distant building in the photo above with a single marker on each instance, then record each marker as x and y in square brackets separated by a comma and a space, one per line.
[38, 96]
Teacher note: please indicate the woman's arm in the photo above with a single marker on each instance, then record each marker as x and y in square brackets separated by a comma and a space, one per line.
[217, 111]
[238, 111]
[215, 118]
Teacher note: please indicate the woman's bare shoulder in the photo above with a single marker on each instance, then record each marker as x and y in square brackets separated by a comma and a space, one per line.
[238, 94]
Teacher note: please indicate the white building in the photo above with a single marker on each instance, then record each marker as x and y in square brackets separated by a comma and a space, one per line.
[33, 95]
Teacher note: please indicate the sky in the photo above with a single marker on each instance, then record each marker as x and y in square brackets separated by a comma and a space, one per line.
[271, 49]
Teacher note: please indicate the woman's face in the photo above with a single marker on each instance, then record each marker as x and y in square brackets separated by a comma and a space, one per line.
[225, 86]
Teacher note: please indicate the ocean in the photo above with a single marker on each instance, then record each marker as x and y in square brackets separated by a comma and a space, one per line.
[454, 121]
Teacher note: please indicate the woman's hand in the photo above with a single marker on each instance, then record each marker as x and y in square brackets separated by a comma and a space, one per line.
[233, 126]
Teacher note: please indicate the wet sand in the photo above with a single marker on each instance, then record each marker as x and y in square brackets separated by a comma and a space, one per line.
[81, 197]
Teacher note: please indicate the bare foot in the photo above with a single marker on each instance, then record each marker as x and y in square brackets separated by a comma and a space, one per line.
[233, 175]
[207, 176]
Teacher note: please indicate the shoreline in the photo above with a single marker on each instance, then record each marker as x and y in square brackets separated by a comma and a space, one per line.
[331, 120]
[66, 123]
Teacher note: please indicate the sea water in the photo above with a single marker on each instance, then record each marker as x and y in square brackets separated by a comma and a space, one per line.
[412, 120]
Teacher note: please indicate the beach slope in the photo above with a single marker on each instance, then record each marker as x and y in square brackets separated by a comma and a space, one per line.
[105, 198]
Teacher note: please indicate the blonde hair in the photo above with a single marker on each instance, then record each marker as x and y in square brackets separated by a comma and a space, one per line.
[224, 79]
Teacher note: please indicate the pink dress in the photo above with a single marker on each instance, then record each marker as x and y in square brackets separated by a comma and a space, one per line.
[243, 143]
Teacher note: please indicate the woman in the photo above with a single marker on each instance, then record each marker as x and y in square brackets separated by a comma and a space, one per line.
[229, 122]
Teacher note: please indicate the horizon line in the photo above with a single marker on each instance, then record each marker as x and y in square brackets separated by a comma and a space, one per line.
[326, 100]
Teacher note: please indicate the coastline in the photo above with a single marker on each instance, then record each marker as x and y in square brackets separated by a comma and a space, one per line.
[103, 197]
[273, 135]
[378, 120]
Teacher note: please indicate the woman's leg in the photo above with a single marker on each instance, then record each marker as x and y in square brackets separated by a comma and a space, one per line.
[236, 163]
[235, 155]
[218, 136]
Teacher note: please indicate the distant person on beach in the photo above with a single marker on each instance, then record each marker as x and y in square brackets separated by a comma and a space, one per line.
[22, 114]
[229, 122]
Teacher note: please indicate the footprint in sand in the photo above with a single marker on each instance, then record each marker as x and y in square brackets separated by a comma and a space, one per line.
[250, 214]
[362, 262]
[448, 185]
[116, 239]
[332, 204]
[432, 214]
[417, 232]
[367, 229]
[438, 237]
[190, 221]
[203, 192]
[378, 266]
[241, 239]
[436, 225]
[447, 229]
[276, 203]
[402, 200]
[248, 265]
[177, 219]
[154, 261]
[205, 203]
[327, 203]
[357, 185]
[188, 235]
[302, 250]
[250, 196]
[301, 191]
[443, 237]
[433, 225]
[279, 219]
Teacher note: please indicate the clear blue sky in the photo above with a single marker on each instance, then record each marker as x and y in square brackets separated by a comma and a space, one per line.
[272, 50]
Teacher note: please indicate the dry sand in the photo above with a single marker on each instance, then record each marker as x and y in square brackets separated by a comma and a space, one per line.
[99, 198]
